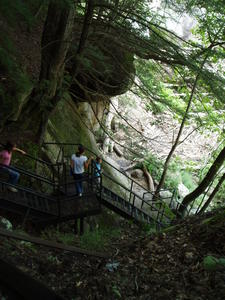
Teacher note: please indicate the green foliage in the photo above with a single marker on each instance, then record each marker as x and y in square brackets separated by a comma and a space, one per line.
[16, 10]
[57, 235]
[172, 180]
[99, 238]
[148, 229]
[154, 166]
[203, 171]
[27, 163]
[11, 69]
[174, 173]
[116, 292]
[219, 200]
[155, 84]
[32, 247]
[167, 212]
[24, 161]
[187, 180]
[15, 83]
[53, 259]
[211, 263]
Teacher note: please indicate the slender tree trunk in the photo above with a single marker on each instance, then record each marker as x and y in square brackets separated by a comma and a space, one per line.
[107, 124]
[202, 210]
[205, 182]
[56, 39]
[176, 143]
[165, 168]
[84, 35]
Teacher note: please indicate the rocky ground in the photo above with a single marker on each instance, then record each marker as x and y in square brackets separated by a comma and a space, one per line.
[168, 265]
[144, 131]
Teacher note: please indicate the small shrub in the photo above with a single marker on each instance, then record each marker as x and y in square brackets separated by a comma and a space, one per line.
[53, 259]
[56, 235]
[98, 239]
[188, 180]
[148, 228]
[154, 166]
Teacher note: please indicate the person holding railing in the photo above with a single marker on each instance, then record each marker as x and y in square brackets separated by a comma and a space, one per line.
[5, 160]
[79, 163]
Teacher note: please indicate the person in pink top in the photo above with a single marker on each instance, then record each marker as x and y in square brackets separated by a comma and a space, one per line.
[5, 160]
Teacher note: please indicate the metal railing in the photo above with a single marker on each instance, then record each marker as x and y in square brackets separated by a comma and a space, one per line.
[157, 207]
[56, 181]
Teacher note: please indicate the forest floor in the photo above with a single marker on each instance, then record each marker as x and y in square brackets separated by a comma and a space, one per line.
[167, 265]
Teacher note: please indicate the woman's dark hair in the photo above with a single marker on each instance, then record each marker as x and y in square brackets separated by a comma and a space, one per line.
[77, 154]
[98, 159]
[81, 149]
[9, 146]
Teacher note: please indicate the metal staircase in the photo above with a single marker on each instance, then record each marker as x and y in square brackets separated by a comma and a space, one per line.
[40, 199]
[51, 198]
[117, 197]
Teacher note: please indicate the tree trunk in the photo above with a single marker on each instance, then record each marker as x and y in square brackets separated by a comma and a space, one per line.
[107, 124]
[205, 182]
[202, 210]
[176, 143]
[84, 35]
[165, 167]
[149, 179]
[56, 39]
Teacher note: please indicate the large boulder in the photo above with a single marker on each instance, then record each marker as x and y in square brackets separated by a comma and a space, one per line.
[137, 173]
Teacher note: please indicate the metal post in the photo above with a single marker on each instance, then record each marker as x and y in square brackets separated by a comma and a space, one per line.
[92, 175]
[143, 198]
[132, 205]
[158, 209]
[65, 177]
[131, 187]
[59, 205]
[25, 217]
[171, 200]
[162, 213]
[100, 187]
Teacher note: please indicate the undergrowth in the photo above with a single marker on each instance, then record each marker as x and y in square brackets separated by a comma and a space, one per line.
[99, 238]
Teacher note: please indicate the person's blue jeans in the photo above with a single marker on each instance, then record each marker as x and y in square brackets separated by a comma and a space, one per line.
[78, 183]
[13, 175]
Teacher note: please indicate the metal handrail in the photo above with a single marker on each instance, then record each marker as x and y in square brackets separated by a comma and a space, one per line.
[106, 162]
[135, 196]
[32, 157]
[26, 189]
[152, 208]
[29, 173]
[38, 160]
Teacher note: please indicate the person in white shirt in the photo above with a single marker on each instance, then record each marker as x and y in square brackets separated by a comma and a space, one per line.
[79, 163]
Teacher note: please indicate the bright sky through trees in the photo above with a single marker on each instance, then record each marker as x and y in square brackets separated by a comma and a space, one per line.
[181, 25]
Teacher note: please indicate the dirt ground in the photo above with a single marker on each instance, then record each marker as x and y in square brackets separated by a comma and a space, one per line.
[166, 265]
